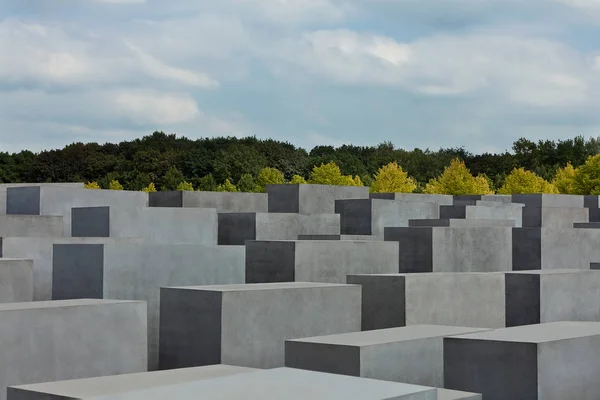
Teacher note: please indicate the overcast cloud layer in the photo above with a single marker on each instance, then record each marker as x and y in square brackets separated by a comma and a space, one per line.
[435, 73]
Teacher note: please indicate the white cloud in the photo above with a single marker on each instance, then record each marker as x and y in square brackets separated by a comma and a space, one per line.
[156, 108]
[120, 1]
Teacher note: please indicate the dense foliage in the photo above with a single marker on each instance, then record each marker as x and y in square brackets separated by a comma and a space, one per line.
[164, 162]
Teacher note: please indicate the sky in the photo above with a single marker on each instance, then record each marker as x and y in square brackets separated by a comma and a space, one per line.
[417, 73]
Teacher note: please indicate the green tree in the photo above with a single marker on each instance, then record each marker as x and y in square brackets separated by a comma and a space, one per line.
[457, 180]
[227, 186]
[185, 186]
[236, 160]
[172, 178]
[392, 179]
[115, 185]
[207, 183]
[268, 176]
[587, 177]
[521, 181]
[330, 174]
[246, 183]
[564, 180]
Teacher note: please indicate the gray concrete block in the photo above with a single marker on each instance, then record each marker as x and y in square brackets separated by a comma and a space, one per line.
[554, 248]
[591, 201]
[495, 211]
[594, 265]
[311, 199]
[247, 325]
[236, 228]
[594, 214]
[154, 225]
[371, 216]
[16, 280]
[30, 226]
[497, 198]
[133, 271]
[461, 222]
[58, 201]
[317, 260]
[549, 200]
[221, 201]
[5, 186]
[453, 249]
[40, 250]
[447, 394]
[554, 217]
[553, 361]
[439, 199]
[340, 237]
[57, 340]
[88, 388]
[453, 211]
[587, 225]
[413, 354]
[284, 383]
[465, 200]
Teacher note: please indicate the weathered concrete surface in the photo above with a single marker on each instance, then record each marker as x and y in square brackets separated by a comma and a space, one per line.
[57, 340]
[16, 280]
[495, 211]
[497, 198]
[371, 216]
[453, 299]
[154, 225]
[591, 201]
[413, 354]
[340, 237]
[594, 214]
[5, 186]
[587, 225]
[439, 199]
[461, 222]
[284, 383]
[247, 325]
[58, 201]
[132, 271]
[549, 200]
[446, 394]
[236, 228]
[40, 250]
[554, 248]
[221, 201]
[317, 260]
[30, 226]
[311, 199]
[453, 249]
[88, 388]
[554, 217]
[553, 361]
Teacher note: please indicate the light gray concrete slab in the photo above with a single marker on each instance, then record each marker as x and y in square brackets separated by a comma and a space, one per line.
[556, 361]
[554, 217]
[57, 340]
[446, 394]
[317, 260]
[247, 325]
[439, 199]
[285, 383]
[221, 201]
[110, 385]
[412, 354]
[311, 199]
[340, 237]
[5, 186]
[549, 200]
[155, 225]
[30, 226]
[461, 222]
[133, 271]
[58, 201]
[16, 280]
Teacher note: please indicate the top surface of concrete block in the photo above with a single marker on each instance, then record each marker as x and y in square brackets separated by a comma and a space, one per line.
[114, 384]
[391, 335]
[539, 333]
[288, 384]
[261, 286]
[552, 271]
[446, 394]
[60, 303]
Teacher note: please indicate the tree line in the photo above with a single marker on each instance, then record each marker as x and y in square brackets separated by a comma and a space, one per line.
[166, 162]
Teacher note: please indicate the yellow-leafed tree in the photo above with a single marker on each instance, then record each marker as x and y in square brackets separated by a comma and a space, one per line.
[587, 177]
[297, 179]
[91, 185]
[565, 180]
[268, 176]
[392, 179]
[150, 188]
[457, 180]
[185, 186]
[227, 186]
[521, 181]
[115, 185]
[330, 174]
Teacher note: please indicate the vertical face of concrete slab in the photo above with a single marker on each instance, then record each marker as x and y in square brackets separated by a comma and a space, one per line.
[383, 300]
[70, 341]
[594, 214]
[323, 357]
[455, 299]
[30, 226]
[23, 200]
[234, 202]
[330, 262]
[569, 248]
[570, 296]
[500, 212]
[270, 261]
[90, 222]
[16, 280]
[355, 216]
[548, 200]
[190, 328]
[284, 198]
[522, 299]
[257, 322]
[451, 212]
[472, 249]
[236, 228]
[285, 226]
[559, 217]
[526, 249]
[415, 246]
[498, 370]
[591, 201]
[78, 271]
[398, 213]
[165, 199]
